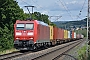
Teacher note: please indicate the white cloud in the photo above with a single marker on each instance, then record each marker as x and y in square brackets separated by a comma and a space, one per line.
[45, 12]
[72, 2]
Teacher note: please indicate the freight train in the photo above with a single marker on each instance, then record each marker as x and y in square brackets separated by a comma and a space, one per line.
[32, 34]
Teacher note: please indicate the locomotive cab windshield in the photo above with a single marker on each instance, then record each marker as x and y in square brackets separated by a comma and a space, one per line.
[20, 26]
[27, 26]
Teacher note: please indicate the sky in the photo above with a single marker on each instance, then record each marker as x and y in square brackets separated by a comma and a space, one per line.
[61, 10]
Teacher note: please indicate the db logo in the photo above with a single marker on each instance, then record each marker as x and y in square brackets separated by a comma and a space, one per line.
[24, 33]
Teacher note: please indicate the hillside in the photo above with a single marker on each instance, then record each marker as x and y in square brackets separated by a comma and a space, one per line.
[71, 24]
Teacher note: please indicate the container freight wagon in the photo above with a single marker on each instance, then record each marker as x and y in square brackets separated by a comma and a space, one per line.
[51, 35]
[62, 34]
[72, 34]
[82, 36]
[65, 35]
[79, 36]
[75, 35]
[30, 34]
[56, 34]
[69, 36]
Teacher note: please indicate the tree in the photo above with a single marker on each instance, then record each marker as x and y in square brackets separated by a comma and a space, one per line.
[6, 41]
[9, 13]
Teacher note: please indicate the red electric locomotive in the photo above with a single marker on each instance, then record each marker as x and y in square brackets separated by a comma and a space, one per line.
[29, 35]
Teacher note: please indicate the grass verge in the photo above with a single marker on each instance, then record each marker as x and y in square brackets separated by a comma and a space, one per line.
[82, 53]
[7, 51]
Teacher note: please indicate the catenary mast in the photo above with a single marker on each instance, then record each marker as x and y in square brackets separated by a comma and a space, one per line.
[88, 25]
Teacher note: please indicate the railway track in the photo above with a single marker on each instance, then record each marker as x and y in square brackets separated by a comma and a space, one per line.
[9, 55]
[12, 55]
[56, 54]
[50, 53]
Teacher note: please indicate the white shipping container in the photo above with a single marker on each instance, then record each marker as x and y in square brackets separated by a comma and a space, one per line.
[82, 36]
[74, 34]
[68, 34]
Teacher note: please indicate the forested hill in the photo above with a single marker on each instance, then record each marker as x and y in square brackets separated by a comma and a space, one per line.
[71, 24]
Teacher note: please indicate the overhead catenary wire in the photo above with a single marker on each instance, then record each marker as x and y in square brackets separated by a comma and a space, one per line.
[46, 10]
[70, 11]
[83, 5]
[39, 5]
[66, 9]
[25, 2]
[35, 3]
[78, 16]
[80, 10]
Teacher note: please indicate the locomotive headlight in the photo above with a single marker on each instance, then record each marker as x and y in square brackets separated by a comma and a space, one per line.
[31, 38]
[18, 33]
[30, 33]
[17, 38]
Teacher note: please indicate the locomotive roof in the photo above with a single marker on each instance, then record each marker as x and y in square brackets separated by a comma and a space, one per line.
[28, 21]
[23, 21]
[42, 23]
